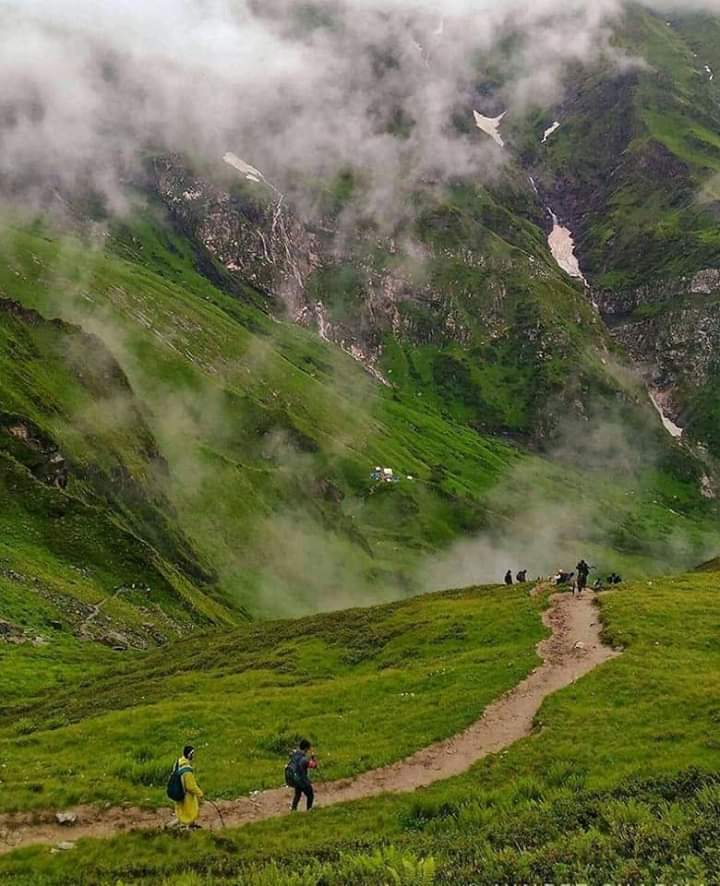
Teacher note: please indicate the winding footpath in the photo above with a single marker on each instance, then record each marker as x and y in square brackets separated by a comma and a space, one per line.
[572, 650]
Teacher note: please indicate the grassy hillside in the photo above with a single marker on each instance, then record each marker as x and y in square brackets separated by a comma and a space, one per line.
[89, 549]
[269, 436]
[616, 785]
[501, 340]
[370, 686]
[634, 162]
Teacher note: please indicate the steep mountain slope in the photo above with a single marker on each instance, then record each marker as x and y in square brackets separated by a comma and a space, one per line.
[89, 546]
[461, 300]
[271, 436]
[633, 170]
[71, 419]
[462, 304]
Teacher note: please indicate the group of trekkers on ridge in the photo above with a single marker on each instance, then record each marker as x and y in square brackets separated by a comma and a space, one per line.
[521, 577]
[185, 793]
[577, 580]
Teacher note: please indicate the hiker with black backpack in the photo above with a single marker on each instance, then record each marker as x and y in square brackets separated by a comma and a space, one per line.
[183, 790]
[583, 571]
[297, 774]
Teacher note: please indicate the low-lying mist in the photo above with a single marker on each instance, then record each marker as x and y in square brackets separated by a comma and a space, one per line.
[605, 490]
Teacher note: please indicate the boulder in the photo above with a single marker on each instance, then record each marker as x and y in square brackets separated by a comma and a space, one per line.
[115, 640]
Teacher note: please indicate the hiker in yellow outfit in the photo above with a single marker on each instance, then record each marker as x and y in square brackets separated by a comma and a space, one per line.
[187, 810]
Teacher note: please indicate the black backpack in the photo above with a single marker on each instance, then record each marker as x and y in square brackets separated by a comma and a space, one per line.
[175, 789]
[292, 775]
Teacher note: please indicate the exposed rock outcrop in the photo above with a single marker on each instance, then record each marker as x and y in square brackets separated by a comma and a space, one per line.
[672, 331]
[36, 450]
[257, 236]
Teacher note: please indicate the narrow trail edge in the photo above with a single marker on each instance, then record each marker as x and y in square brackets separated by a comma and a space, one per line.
[573, 649]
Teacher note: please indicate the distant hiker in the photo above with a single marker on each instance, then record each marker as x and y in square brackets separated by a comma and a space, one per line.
[583, 570]
[614, 579]
[521, 577]
[183, 790]
[508, 577]
[297, 775]
[598, 585]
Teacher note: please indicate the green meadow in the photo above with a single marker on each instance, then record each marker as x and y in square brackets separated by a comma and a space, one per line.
[618, 783]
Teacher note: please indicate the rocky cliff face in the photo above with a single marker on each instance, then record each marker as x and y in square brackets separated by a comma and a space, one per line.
[464, 304]
[352, 289]
[672, 332]
[253, 232]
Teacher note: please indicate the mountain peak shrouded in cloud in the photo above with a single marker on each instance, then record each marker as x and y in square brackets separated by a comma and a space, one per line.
[301, 89]
[308, 87]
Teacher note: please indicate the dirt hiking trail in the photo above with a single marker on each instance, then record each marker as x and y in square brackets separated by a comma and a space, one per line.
[573, 649]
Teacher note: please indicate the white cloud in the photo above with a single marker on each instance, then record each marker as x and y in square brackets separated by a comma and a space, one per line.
[86, 84]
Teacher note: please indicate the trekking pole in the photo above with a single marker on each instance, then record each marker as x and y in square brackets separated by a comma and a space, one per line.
[220, 815]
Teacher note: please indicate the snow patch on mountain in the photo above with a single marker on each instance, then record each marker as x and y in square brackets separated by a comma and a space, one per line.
[490, 126]
[674, 430]
[562, 246]
[250, 173]
[550, 130]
